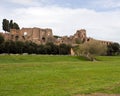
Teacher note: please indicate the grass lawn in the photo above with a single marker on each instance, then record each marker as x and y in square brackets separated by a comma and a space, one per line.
[36, 75]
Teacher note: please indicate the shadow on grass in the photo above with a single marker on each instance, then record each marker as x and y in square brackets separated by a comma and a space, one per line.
[82, 58]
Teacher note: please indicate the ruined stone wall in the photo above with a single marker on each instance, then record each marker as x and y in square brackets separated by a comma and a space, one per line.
[6, 36]
[101, 41]
[81, 34]
[42, 36]
[36, 35]
[78, 38]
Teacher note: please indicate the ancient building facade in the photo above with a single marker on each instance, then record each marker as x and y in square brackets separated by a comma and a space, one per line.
[37, 35]
[42, 36]
[100, 41]
[78, 38]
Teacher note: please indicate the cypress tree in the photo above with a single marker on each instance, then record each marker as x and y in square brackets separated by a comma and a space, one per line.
[11, 24]
[5, 25]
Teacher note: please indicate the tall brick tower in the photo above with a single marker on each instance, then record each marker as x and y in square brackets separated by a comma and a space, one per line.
[81, 34]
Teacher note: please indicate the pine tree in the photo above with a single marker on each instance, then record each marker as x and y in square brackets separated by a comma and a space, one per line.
[11, 24]
[15, 26]
[5, 25]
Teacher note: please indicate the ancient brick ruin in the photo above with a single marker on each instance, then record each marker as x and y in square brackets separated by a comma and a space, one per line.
[42, 36]
[37, 35]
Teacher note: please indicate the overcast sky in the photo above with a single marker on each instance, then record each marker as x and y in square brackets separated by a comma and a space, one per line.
[100, 18]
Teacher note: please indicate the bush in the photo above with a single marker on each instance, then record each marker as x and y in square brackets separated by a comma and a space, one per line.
[18, 47]
[91, 49]
[113, 49]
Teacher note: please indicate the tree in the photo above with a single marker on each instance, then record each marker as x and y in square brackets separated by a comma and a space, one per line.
[113, 49]
[1, 43]
[78, 41]
[51, 48]
[40, 49]
[11, 24]
[15, 26]
[5, 25]
[91, 49]
[7, 46]
[2, 48]
[19, 45]
[64, 49]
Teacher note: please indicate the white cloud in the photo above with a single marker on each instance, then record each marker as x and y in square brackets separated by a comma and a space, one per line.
[65, 21]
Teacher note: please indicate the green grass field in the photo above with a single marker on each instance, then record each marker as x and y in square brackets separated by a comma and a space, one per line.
[58, 75]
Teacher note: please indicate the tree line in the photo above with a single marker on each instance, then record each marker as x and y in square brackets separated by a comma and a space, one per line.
[88, 49]
[19, 47]
[9, 24]
[93, 48]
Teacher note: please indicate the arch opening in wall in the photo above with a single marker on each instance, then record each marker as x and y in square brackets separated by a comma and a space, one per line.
[25, 33]
[23, 37]
[43, 39]
[16, 38]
